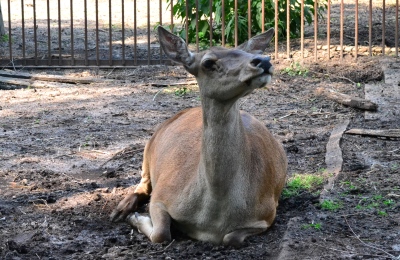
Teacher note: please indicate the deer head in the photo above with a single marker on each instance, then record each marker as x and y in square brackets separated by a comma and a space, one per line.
[223, 74]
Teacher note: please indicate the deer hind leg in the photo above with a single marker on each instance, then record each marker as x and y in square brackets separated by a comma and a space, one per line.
[158, 228]
[134, 198]
[236, 238]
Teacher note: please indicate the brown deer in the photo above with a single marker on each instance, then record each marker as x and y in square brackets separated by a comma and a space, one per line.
[213, 172]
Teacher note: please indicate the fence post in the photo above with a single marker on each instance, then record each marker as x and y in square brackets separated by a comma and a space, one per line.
[2, 30]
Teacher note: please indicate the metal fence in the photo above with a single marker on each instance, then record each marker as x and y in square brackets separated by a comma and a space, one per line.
[112, 33]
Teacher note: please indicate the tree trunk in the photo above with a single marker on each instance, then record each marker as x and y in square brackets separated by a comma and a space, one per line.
[2, 31]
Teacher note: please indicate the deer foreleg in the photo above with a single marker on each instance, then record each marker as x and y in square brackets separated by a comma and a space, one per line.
[157, 228]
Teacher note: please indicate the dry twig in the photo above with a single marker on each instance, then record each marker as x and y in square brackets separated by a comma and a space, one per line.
[370, 246]
[165, 249]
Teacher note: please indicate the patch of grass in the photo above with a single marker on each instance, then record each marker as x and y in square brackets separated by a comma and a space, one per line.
[181, 91]
[349, 185]
[302, 182]
[377, 202]
[295, 69]
[331, 205]
[388, 202]
[316, 226]
[4, 38]
[382, 213]
[394, 166]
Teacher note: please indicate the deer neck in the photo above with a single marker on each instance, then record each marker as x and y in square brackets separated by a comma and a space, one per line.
[223, 143]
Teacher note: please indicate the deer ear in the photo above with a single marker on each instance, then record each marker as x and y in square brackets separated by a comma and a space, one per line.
[175, 47]
[258, 43]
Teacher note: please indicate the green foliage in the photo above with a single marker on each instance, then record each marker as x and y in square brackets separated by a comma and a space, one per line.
[181, 91]
[330, 205]
[316, 226]
[348, 184]
[388, 202]
[382, 213]
[179, 10]
[377, 203]
[295, 69]
[301, 182]
[4, 38]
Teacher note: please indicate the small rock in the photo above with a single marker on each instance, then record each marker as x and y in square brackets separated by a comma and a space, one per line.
[396, 247]
[97, 197]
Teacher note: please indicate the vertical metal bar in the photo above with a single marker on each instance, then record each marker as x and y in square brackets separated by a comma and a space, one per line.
[160, 19]
[328, 29]
[123, 30]
[148, 31]
[383, 26]
[316, 29]
[172, 16]
[276, 29]
[370, 28]
[72, 33]
[356, 30]
[302, 28]
[396, 38]
[186, 20]
[197, 25]
[135, 33]
[236, 23]
[59, 33]
[23, 30]
[34, 31]
[263, 15]
[223, 23]
[211, 22]
[249, 18]
[341, 28]
[288, 29]
[48, 34]
[110, 55]
[9, 31]
[86, 33]
[97, 34]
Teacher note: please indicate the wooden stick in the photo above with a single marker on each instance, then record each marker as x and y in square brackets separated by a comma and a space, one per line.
[346, 99]
[373, 132]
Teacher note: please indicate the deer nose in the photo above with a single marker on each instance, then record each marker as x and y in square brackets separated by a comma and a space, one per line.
[264, 63]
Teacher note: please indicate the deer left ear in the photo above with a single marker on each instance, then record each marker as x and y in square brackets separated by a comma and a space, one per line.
[175, 47]
[258, 43]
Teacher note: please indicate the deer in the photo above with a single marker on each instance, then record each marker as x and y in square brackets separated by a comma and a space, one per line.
[213, 172]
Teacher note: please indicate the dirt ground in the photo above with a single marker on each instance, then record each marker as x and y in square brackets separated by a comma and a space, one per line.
[70, 152]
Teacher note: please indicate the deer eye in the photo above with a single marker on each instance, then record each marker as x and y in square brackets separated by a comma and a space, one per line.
[208, 64]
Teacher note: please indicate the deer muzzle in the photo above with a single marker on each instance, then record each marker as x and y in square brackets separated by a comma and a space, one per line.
[264, 63]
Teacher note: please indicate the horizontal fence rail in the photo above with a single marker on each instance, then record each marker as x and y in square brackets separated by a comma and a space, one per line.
[112, 33]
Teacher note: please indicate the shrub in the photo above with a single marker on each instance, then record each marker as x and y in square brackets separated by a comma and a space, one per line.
[179, 10]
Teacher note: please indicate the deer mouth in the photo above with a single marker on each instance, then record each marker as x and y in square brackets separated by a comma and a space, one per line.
[266, 69]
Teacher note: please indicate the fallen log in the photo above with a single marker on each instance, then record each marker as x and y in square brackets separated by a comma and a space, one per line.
[10, 81]
[333, 157]
[394, 133]
[170, 84]
[54, 78]
[347, 100]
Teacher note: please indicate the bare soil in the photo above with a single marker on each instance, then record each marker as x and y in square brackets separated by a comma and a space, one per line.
[69, 153]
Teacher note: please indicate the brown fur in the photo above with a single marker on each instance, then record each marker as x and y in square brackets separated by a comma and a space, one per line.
[215, 172]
